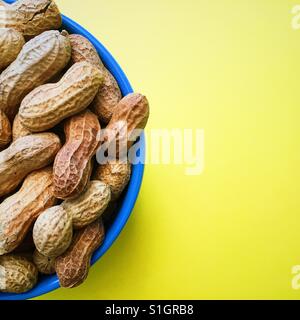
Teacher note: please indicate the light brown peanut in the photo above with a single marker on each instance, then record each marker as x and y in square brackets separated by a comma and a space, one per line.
[25, 155]
[17, 274]
[11, 43]
[5, 130]
[18, 130]
[44, 264]
[19, 211]
[51, 103]
[116, 174]
[131, 113]
[52, 232]
[39, 60]
[82, 140]
[31, 17]
[109, 93]
[89, 205]
[72, 267]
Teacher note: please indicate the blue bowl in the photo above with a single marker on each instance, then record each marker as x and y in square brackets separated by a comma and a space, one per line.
[50, 283]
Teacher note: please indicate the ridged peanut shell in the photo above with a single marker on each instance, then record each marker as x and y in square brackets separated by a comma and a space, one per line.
[73, 266]
[88, 206]
[25, 155]
[45, 265]
[11, 43]
[19, 211]
[39, 60]
[116, 174]
[131, 114]
[86, 176]
[31, 17]
[51, 103]
[18, 130]
[17, 274]
[82, 140]
[83, 50]
[109, 93]
[5, 130]
[52, 232]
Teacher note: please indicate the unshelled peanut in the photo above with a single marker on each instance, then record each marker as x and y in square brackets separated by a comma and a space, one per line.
[18, 130]
[52, 232]
[5, 130]
[51, 103]
[11, 43]
[109, 93]
[86, 176]
[44, 264]
[19, 211]
[39, 60]
[116, 174]
[25, 155]
[72, 267]
[31, 17]
[82, 140]
[131, 114]
[17, 274]
[89, 205]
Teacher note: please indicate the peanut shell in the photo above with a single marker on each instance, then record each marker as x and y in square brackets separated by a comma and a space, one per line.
[11, 43]
[5, 130]
[52, 232]
[44, 264]
[39, 60]
[25, 155]
[72, 267]
[19, 211]
[18, 130]
[82, 140]
[17, 274]
[109, 93]
[89, 206]
[131, 113]
[31, 17]
[115, 174]
[51, 103]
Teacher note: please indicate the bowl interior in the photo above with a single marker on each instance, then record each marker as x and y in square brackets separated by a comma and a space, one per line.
[49, 283]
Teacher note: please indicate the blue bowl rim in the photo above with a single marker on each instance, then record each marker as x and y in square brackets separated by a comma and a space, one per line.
[50, 283]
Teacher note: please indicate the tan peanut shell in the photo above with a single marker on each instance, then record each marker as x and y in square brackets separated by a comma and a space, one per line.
[82, 140]
[72, 267]
[11, 43]
[39, 60]
[83, 50]
[25, 155]
[52, 232]
[17, 274]
[109, 93]
[19, 211]
[31, 17]
[116, 174]
[131, 114]
[51, 103]
[89, 206]
[5, 130]
[18, 130]
[45, 265]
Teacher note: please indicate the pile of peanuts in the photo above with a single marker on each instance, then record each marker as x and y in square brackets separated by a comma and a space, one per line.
[56, 101]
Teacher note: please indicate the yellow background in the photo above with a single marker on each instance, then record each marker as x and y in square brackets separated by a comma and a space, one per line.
[231, 67]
